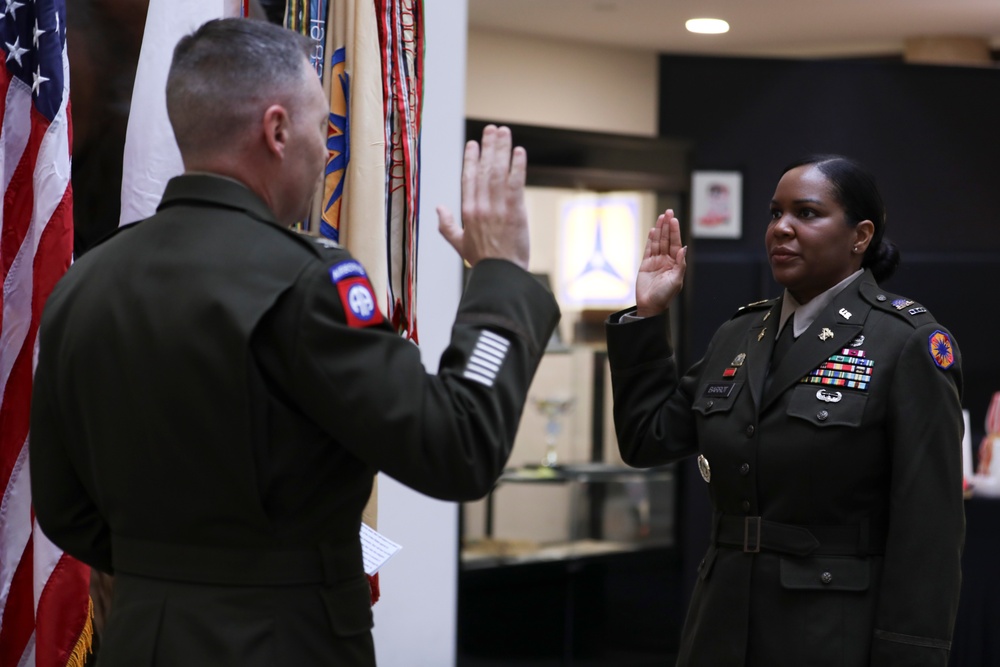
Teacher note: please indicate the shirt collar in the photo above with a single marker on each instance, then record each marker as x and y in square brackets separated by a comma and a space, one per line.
[806, 313]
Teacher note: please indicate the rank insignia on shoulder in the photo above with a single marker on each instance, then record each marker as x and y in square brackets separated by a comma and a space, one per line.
[942, 351]
[325, 242]
[917, 310]
[756, 305]
[356, 294]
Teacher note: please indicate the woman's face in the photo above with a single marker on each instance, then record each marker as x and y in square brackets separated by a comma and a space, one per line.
[809, 244]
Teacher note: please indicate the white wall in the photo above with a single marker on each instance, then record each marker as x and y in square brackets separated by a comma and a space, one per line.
[519, 79]
[415, 619]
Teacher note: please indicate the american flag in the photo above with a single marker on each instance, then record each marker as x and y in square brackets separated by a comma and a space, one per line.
[44, 601]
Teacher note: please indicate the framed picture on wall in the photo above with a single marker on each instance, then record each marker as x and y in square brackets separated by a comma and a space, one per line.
[716, 204]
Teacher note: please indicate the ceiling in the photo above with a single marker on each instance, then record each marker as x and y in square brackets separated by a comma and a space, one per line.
[809, 28]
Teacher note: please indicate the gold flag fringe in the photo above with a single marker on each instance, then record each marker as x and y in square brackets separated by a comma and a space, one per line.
[85, 644]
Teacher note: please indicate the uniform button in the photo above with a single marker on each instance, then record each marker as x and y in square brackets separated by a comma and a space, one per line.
[750, 431]
[822, 415]
[746, 505]
[881, 297]
[745, 468]
[710, 404]
[826, 577]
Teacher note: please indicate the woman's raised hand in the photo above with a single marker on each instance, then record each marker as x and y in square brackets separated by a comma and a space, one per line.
[661, 272]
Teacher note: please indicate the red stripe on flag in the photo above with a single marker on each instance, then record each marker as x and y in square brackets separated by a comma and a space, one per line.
[60, 616]
[18, 620]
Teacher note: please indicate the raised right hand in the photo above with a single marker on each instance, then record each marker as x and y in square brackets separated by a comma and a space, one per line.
[494, 217]
[661, 272]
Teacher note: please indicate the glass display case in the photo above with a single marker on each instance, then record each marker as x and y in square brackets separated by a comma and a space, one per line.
[604, 508]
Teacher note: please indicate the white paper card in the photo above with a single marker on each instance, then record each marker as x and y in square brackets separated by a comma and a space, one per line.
[376, 549]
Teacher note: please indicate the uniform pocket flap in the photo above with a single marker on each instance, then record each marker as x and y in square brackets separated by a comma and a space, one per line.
[349, 606]
[716, 397]
[827, 406]
[826, 573]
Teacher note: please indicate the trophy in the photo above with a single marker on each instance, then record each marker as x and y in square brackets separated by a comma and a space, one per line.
[552, 408]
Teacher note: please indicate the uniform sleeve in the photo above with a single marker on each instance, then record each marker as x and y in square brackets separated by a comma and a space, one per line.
[652, 405]
[62, 505]
[922, 572]
[447, 435]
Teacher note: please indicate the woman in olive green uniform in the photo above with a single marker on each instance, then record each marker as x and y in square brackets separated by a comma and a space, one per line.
[827, 424]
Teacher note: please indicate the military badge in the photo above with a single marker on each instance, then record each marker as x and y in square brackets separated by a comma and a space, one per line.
[828, 396]
[942, 351]
[356, 294]
[825, 334]
[704, 468]
[858, 342]
[900, 304]
[738, 359]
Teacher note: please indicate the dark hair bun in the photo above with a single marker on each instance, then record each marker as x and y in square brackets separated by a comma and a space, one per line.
[882, 260]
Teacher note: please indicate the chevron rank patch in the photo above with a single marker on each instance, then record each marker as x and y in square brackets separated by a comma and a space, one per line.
[487, 358]
[942, 351]
[356, 294]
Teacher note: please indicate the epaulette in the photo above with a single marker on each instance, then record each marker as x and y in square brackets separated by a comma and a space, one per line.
[903, 308]
[756, 305]
[323, 241]
[317, 244]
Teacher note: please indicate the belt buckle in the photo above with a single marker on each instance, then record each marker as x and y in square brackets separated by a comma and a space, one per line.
[751, 536]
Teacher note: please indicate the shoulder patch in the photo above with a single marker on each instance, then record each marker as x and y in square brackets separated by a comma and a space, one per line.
[356, 294]
[941, 349]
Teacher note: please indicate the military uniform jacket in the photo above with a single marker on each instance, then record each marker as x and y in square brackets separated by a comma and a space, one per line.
[213, 396]
[836, 483]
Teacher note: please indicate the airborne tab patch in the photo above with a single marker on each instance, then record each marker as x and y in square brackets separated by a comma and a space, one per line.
[356, 294]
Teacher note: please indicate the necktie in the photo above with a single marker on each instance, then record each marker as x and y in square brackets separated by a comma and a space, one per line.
[784, 342]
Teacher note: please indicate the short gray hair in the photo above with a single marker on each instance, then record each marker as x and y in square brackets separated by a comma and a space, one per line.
[225, 74]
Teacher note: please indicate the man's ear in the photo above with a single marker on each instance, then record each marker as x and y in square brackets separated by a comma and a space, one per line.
[276, 125]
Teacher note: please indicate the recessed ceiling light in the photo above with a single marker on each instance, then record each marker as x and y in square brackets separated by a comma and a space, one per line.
[707, 26]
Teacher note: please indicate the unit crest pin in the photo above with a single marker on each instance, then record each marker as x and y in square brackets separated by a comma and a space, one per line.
[825, 334]
[704, 468]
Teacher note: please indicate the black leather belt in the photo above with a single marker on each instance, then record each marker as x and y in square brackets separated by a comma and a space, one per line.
[753, 534]
[234, 566]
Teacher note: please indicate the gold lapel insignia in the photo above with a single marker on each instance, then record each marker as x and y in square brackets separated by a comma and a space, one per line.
[760, 336]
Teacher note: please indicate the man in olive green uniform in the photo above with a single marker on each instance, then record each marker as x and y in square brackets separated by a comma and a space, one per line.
[214, 392]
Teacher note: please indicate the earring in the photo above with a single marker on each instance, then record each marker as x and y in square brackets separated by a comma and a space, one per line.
[855, 248]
